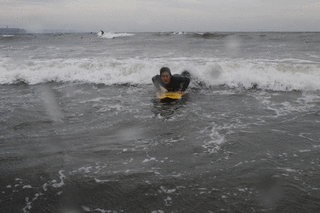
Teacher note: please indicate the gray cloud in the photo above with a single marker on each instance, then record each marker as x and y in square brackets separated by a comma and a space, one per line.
[164, 15]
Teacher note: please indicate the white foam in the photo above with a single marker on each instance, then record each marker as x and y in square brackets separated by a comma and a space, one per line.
[28, 207]
[61, 183]
[267, 75]
[147, 160]
[114, 35]
[167, 191]
[85, 169]
[101, 181]
[307, 150]
[94, 100]
[272, 76]
[215, 139]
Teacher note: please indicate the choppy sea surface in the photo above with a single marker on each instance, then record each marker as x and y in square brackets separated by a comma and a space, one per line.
[81, 129]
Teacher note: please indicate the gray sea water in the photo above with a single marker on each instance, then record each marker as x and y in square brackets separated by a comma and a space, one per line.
[81, 129]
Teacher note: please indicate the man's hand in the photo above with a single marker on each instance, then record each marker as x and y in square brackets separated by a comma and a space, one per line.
[181, 92]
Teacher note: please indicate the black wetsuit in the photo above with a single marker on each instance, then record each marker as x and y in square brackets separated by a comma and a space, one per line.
[177, 83]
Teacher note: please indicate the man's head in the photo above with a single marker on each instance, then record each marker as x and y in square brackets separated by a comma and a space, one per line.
[165, 75]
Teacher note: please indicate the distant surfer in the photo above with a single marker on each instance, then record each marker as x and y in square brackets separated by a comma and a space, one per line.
[172, 83]
[102, 32]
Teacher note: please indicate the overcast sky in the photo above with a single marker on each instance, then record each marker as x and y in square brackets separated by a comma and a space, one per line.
[162, 15]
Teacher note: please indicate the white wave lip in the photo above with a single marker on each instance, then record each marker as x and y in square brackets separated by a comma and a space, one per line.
[269, 76]
[5, 36]
[108, 71]
[266, 75]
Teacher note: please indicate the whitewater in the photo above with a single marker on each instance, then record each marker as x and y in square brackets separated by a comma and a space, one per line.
[275, 61]
[81, 129]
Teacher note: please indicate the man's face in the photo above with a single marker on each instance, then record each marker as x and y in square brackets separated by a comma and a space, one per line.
[165, 77]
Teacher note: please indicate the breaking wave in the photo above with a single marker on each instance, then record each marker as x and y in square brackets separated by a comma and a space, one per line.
[278, 76]
[113, 35]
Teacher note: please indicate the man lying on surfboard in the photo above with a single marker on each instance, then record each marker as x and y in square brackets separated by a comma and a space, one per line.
[172, 83]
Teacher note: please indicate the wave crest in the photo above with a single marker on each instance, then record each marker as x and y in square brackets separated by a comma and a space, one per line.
[205, 73]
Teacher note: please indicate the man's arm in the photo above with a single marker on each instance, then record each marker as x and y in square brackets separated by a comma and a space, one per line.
[185, 81]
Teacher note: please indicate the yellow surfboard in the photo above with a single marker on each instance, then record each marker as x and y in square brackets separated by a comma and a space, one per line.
[171, 95]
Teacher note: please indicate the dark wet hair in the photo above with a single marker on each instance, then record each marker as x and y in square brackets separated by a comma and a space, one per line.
[165, 69]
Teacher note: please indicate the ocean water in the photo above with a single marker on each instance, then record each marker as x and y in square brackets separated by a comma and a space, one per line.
[81, 129]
